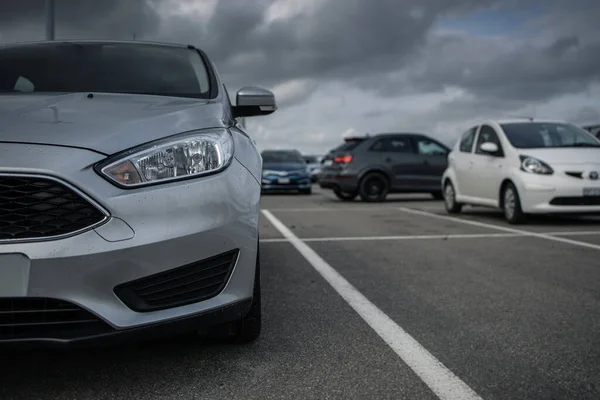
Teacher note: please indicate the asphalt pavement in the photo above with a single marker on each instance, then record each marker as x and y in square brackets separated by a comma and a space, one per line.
[395, 300]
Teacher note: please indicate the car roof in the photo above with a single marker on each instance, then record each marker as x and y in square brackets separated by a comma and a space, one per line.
[95, 41]
[521, 121]
[388, 134]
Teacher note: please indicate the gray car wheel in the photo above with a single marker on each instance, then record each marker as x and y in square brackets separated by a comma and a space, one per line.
[373, 187]
[450, 199]
[512, 204]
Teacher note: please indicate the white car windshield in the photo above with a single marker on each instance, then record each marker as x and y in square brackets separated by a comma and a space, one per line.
[533, 135]
[67, 67]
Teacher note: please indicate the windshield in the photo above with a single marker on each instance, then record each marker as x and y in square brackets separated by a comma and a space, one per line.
[282, 157]
[533, 135]
[103, 67]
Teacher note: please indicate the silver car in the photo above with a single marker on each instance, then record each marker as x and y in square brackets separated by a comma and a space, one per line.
[129, 195]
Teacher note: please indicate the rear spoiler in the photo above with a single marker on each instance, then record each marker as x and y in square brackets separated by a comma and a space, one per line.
[355, 138]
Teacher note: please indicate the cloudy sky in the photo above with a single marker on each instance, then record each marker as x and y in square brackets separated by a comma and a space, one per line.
[342, 67]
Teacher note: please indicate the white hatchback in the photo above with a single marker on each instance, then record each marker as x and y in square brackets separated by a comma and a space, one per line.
[524, 167]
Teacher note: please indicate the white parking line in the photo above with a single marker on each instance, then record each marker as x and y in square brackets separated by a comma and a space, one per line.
[501, 228]
[436, 376]
[428, 237]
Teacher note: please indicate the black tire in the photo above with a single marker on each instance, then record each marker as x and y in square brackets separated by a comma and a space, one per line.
[373, 187]
[511, 205]
[306, 191]
[344, 196]
[452, 207]
[438, 195]
[248, 328]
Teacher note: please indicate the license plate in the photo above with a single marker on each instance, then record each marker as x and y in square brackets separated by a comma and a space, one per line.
[283, 181]
[327, 163]
[14, 275]
[591, 191]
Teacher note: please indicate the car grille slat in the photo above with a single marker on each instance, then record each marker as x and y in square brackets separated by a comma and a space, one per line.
[575, 174]
[187, 288]
[179, 286]
[151, 288]
[576, 201]
[40, 311]
[40, 318]
[42, 208]
[26, 324]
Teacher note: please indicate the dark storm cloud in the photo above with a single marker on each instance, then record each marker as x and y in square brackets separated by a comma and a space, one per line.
[342, 40]
[110, 19]
[525, 72]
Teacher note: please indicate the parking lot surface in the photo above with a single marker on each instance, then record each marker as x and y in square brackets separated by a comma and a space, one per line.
[395, 300]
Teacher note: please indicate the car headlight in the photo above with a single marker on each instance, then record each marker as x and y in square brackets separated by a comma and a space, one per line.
[535, 166]
[183, 156]
[269, 172]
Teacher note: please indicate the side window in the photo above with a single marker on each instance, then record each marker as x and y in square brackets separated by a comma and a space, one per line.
[488, 134]
[24, 85]
[378, 145]
[467, 140]
[428, 147]
[398, 145]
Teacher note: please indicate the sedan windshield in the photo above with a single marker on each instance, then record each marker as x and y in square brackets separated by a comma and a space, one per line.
[282, 157]
[533, 135]
[103, 67]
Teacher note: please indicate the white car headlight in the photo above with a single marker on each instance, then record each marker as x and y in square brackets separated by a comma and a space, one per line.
[533, 165]
[187, 155]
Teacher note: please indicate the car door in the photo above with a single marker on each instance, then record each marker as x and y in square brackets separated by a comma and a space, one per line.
[399, 157]
[434, 158]
[462, 160]
[489, 168]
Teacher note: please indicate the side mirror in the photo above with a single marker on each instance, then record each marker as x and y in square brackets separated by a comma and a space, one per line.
[254, 101]
[489, 147]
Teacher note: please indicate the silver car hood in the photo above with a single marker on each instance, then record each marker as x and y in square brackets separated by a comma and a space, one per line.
[105, 123]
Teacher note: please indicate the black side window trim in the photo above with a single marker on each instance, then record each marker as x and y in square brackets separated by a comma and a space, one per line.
[499, 153]
[470, 132]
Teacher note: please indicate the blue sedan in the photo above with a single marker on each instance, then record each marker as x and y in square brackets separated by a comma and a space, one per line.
[285, 170]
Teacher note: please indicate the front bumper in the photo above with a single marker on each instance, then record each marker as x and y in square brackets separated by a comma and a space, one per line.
[556, 194]
[283, 183]
[108, 337]
[149, 230]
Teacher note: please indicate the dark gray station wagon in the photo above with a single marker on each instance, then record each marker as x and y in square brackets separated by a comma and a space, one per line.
[372, 167]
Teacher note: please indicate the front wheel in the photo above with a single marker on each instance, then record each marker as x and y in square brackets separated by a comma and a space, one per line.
[374, 187]
[450, 199]
[344, 196]
[512, 205]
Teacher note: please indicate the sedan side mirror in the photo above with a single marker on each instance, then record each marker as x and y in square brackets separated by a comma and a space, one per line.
[489, 147]
[254, 101]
